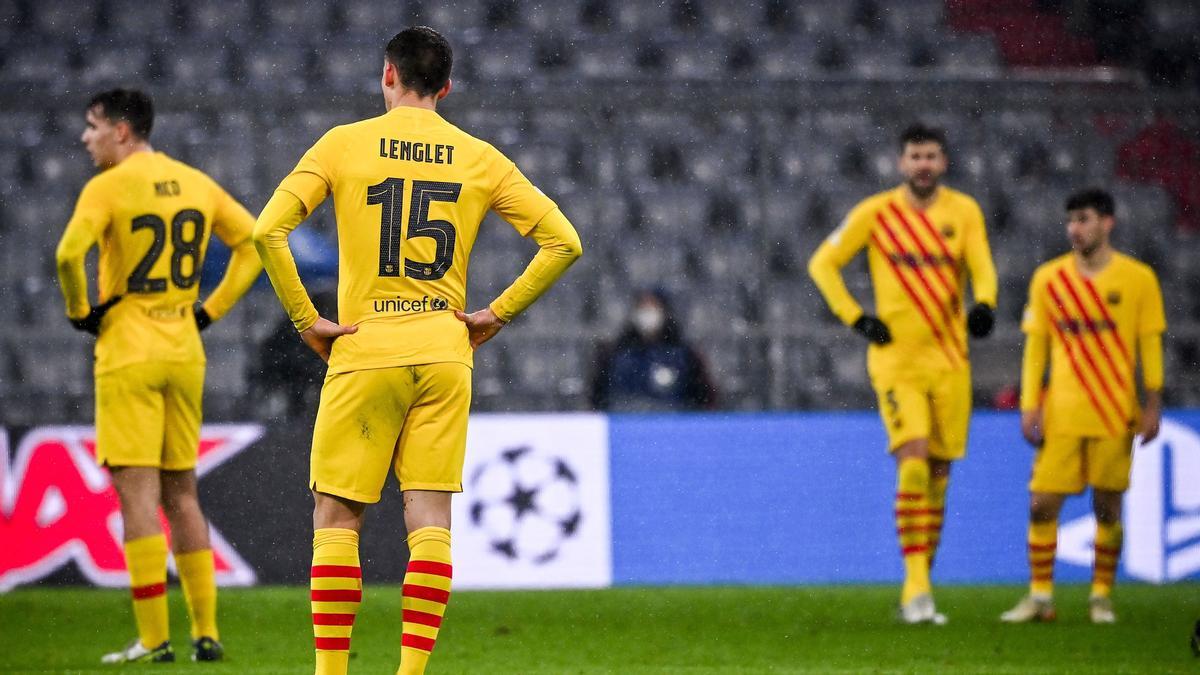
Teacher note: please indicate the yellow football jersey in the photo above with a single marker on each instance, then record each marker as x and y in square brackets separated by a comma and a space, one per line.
[919, 263]
[1096, 326]
[152, 217]
[409, 193]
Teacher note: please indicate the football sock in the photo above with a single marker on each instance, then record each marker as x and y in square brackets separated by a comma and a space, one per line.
[911, 511]
[426, 591]
[198, 579]
[1043, 540]
[936, 511]
[146, 559]
[1108, 552]
[336, 594]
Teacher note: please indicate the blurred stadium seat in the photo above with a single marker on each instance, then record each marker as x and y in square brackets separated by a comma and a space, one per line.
[704, 146]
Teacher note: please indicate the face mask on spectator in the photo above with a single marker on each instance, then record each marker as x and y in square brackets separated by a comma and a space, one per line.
[649, 320]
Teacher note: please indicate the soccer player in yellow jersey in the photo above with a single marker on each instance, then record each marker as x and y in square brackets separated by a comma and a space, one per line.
[923, 240]
[152, 217]
[409, 192]
[1096, 313]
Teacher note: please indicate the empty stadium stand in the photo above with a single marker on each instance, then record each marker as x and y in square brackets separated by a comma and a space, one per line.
[703, 146]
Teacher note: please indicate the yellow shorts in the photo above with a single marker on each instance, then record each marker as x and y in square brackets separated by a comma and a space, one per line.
[411, 419]
[148, 414]
[935, 406]
[1067, 464]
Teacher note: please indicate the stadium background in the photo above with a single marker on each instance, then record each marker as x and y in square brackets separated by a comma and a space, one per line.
[705, 147]
[702, 146]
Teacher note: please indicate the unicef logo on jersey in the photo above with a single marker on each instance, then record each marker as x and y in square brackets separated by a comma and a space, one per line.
[399, 305]
[526, 503]
[1162, 511]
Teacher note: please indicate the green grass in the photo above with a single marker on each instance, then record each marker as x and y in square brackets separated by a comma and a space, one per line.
[635, 630]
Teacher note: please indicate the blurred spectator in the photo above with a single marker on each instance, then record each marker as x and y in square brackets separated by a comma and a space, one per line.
[651, 367]
[285, 378]
[1165, 155]
[1007, 397]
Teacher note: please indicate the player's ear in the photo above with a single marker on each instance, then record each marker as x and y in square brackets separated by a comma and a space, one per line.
[123, 130]
[389, 75]
[445, 91]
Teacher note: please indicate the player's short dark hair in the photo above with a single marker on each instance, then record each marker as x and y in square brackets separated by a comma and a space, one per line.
[1092, 198]
[128, 105]
[920, 133]
[423, 58]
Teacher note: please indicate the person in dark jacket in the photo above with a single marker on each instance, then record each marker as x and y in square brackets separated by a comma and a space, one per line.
[650, 367]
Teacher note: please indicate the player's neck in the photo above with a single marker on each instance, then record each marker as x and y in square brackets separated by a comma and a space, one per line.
[393, 98]
[1093, 263]
[124, 152]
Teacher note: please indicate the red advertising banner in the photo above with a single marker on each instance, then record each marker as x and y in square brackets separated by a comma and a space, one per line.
[58, 506]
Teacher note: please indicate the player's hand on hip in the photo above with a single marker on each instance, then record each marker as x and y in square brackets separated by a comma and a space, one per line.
[1031, 427]
[91, 322]
[873, 329]
[481, 326]
[320, 336]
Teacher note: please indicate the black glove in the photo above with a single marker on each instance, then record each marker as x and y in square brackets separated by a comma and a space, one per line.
[980, 320]
[91, 322]
[203, 320]
[873, 329]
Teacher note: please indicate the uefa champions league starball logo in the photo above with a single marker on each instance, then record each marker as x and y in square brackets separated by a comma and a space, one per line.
[526, 503]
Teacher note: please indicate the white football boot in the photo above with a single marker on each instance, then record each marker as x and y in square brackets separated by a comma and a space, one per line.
[1101, 610]
[136, 653]
[921, 610]
[1031, 608]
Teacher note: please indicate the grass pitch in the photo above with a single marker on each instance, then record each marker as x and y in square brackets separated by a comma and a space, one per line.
[634, 630]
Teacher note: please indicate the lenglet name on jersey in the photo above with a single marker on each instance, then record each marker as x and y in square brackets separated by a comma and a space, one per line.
[412, 151]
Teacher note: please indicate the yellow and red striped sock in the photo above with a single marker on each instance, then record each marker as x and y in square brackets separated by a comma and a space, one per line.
[146, 559]
[1043, 542]
[937, 512]
[198, 579]
[912, 486]
[426, 592]
[1108, 552]
[336, 595]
